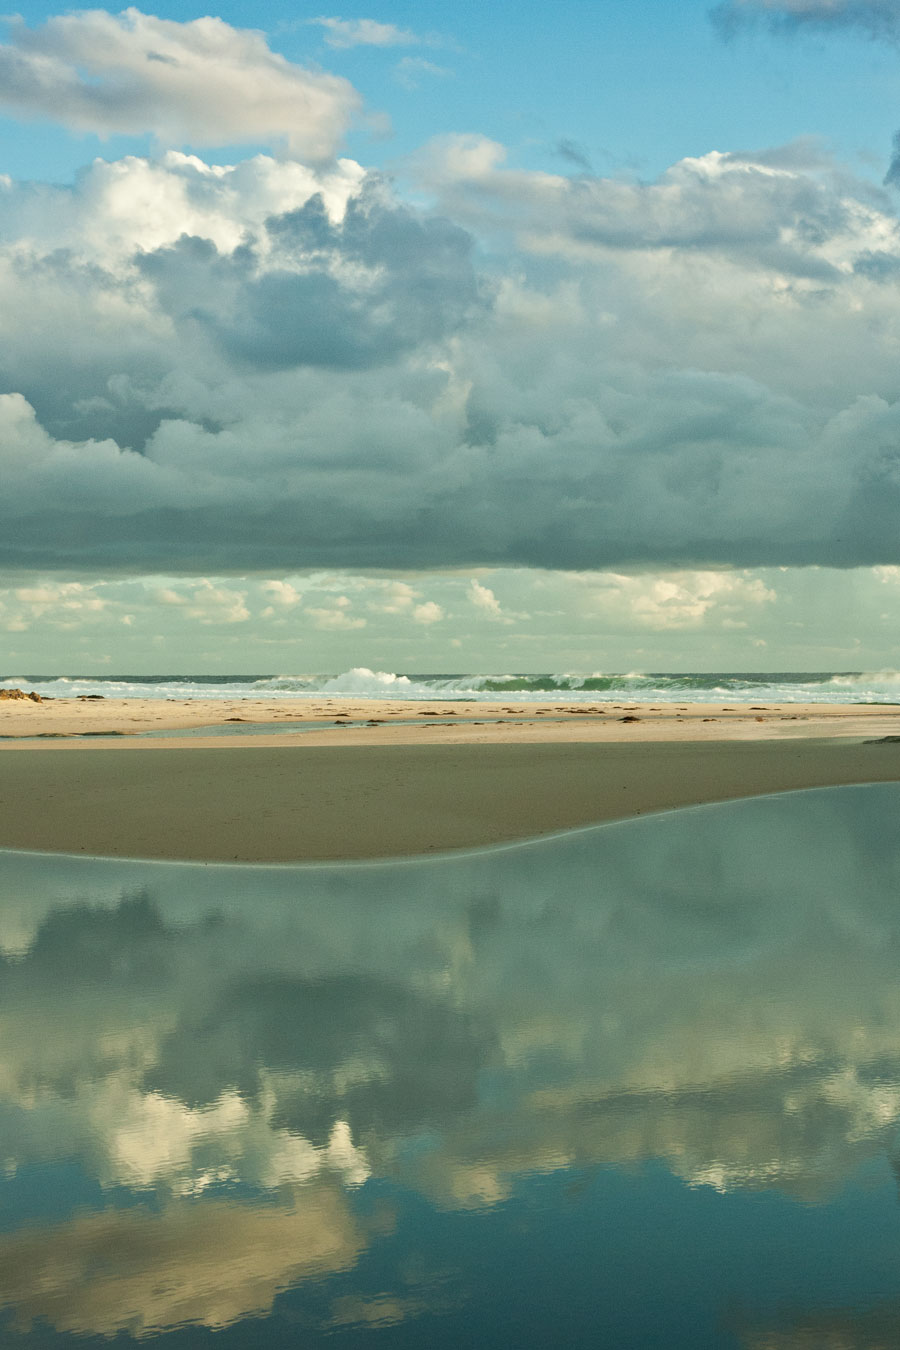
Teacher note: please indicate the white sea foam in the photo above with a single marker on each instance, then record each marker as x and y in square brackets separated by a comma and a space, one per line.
[565, 688]
[882, 679]
[361, 680]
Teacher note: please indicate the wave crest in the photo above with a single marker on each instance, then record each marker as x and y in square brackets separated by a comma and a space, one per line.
[571, 687]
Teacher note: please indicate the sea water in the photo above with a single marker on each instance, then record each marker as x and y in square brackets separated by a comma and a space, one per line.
[633, 1086]
[596, 687]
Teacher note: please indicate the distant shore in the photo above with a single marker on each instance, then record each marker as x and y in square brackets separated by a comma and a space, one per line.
[422, 778]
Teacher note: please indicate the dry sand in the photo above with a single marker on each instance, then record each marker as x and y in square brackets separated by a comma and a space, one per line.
[396, 722]
[432, 781]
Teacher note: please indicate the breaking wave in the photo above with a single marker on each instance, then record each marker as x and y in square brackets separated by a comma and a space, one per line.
[573, 687]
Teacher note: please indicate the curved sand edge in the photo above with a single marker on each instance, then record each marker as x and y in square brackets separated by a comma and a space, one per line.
[245, 803]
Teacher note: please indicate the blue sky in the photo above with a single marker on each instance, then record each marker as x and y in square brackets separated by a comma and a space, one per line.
[636, 86]
[591, 309]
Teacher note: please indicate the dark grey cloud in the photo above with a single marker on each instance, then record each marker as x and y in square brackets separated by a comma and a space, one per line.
[710, 475]
[574, 154]
[71, 390]
[346, 296]
[878, 18]
[892, 177]
[777, 220]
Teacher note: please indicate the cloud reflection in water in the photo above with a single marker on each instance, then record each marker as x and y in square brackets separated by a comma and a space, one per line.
[239, 1059]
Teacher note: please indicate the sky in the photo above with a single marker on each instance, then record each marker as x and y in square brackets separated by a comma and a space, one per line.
[428, 338]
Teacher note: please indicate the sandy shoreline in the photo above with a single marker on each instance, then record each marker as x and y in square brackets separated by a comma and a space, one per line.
[352, 721]
[436, 782]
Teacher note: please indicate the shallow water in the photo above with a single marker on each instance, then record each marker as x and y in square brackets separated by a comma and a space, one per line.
[634, 1086]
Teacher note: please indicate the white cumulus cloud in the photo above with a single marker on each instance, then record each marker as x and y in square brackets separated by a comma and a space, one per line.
[483, 598]
[335, 617]
[427, 613]
[211, 604]
[202, 82]
[676, 600]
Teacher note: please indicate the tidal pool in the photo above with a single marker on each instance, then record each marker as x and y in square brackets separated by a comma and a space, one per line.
[634, 1086]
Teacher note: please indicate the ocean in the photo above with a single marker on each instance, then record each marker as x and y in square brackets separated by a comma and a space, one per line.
[595, 687]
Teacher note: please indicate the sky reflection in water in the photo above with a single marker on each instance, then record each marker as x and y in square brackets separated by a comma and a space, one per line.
[635, 1086]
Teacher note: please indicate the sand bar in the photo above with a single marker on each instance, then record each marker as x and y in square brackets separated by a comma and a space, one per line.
[390, 790]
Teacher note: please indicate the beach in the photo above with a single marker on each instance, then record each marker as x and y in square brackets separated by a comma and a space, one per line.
[252, 780]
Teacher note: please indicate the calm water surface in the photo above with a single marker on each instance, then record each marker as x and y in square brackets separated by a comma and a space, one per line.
[637, 1086]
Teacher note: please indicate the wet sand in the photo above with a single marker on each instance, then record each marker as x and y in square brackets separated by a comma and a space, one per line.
[387, 791]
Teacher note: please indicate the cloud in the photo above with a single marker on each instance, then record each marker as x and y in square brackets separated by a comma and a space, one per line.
[411, 70]
[892, 177]
[68, 595]
[786, 211]
[679, 600]
[344, 295]
[64, 606]
[270, 367]
[335, 617]
[644, 618]
[574, 154]
[483, 598]
[428, 613]
[199, 83]
[282, 593]
[167, 596]
[273, 1249]
[344, 33]
[877, 18]
[218, 604]
[396, 597]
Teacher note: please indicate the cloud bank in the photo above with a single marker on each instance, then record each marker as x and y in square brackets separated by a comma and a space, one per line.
[287, 364]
